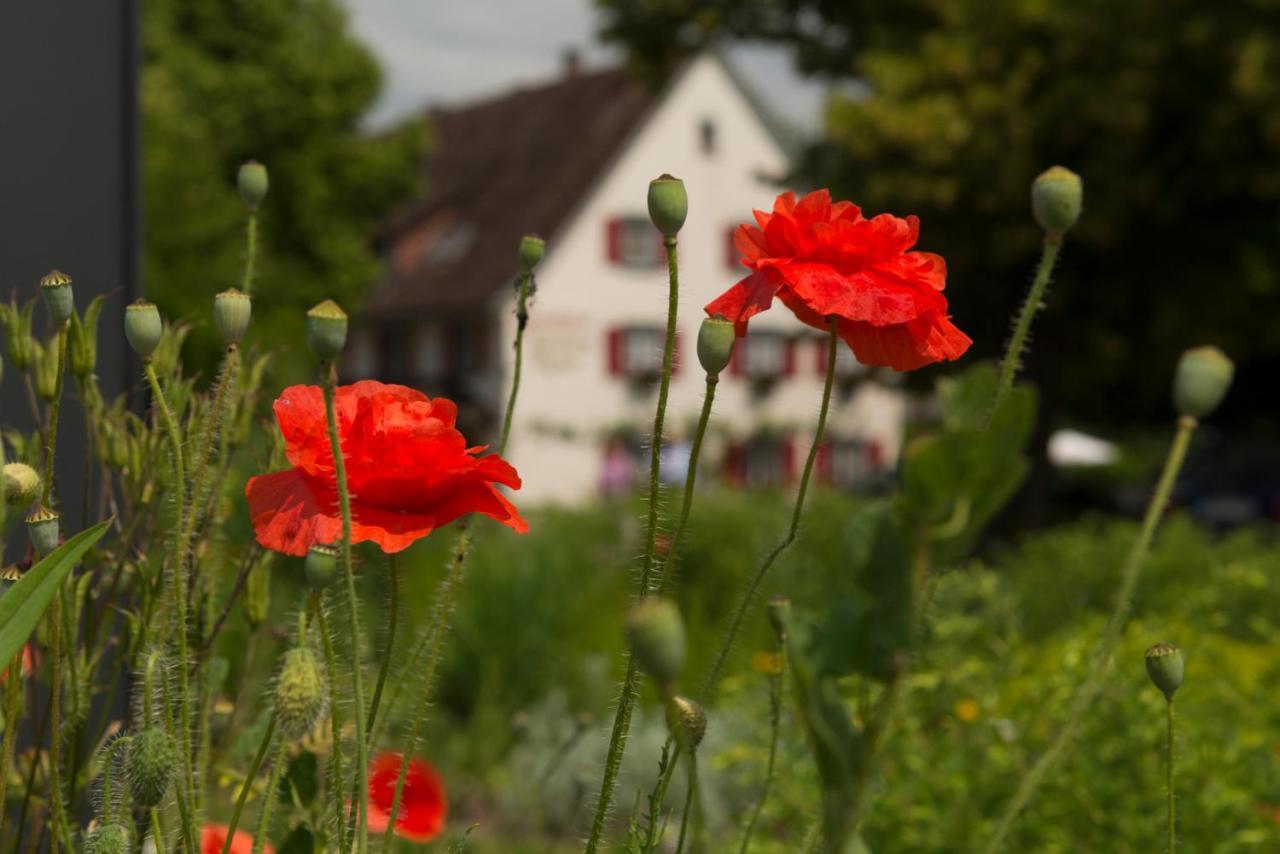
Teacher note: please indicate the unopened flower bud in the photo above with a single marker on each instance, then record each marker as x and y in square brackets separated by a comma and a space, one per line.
[9, 576]
[59, 299]
[44, 528]
[715, 344]
[300, 692]
[143, 327]
[321, 566]
[687, 722]
[1201, 381]
[252, 182]
[779, 614]
[107, 839]
[327, 330]
[1165, 667]
[668, 204]
[149, 766]
[21, 484]
[656, 634]
[231, 311]
[531, 249]
[1057, 196]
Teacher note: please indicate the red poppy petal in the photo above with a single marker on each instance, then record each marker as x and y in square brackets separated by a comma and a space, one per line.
[814, 207]
[423, 804]
[301, 415]
[747, 298]
[750, 243]
[871, 295]
[906, 346]
[214, 836]
[291, 512]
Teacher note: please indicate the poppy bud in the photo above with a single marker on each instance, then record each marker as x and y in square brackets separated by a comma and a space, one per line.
[300, 691]
[143, 327]
[715, 344]
[656, 634]
[668, 204]
[687, 722]
[1201, 381]
[21, 484]
[44, 529]
[9, 576]
[327, 330]
[320, 566]
[58, 296]
[779, 614]
[531, 249]
[231, 311]
[149, 766]
[1165, 667]
[252, 182]
[107, 839]
[1056, 198]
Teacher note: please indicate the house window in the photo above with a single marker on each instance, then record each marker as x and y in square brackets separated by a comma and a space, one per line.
[707, 135]
[430, 352]
[636, 351]
[763, 355]
[847, 365]
[850, 463]
[634, 242]
[362, 354]
[761, 461]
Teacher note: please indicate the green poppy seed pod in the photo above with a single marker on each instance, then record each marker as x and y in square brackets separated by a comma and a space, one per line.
[21, 484]
[531, 249]
[9, 576]
[1057, 196]
[252, 181]
[59, 299]
[321, 566]
[149, 766]
[327, 330]
[231, 312]
[656, 635]
[687, 722]
[143, 327]
[668, 204]
[1201, 381]
[44, 528]
[107, 839]
[300, 693]
[779, 614]
[716, 337]
[1165, 667]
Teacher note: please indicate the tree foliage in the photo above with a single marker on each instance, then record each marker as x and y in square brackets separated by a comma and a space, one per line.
[1167, 108]
[282, 82]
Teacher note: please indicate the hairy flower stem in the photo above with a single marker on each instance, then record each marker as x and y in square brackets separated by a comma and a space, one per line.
[204, 447]
[250, 252]
[522, 320]
[329, 380]
[157, 832]
[690, 480]
[690, 800]
[1168, 777]
[14, 693]
[627, 698]
[1092, 682]
[775, 722]
[1022, 326]
[179, 588]
[248, 782]
[335, 709]
[748, 596]
[393, 581]
[51, 436]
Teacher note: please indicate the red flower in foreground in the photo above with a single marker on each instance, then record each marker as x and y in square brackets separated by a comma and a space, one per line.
[214, 836]
[28, 662]
[422, 811]
[823, 259]
[409, 471]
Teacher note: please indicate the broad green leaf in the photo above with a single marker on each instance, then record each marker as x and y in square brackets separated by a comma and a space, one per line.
[24, 604]
[966, 397]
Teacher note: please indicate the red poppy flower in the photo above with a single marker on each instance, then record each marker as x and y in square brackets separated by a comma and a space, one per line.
[823, 260]
[423, 807]
[214, 836]
[27, 662]
[409, 471]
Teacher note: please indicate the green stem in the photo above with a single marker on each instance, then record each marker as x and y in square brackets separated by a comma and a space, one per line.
[1092, 683]
[1022, 326]
[109, 810]
[55, 730]
[690, 480]
[659, 794]
[394, 581]
[1168, 773]
[14, 694]
[186, 814]
[179, 588]
[748, 596]
[248, 783]
[522, 320]
[335, 708]
[204, 447]
[157, 832]
[329, 378]
[251, 252]
[269, 797]
[690, 799]
[51, 437]
[627, 698]
[775, 721]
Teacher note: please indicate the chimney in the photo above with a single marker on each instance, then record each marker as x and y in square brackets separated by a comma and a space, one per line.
[572, 63]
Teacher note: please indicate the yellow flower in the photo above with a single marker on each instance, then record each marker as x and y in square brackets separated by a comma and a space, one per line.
[767, 662]
[967, 710]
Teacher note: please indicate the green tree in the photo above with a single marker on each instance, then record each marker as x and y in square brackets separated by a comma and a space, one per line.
[1167, 108]
[282, 82]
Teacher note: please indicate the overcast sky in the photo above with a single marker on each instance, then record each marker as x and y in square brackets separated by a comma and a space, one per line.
[434, 52]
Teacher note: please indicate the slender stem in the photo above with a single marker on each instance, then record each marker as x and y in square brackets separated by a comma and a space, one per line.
[690, 798]
[393, 580]
[51, 437]
[157, 832]
[744, 604]
[1022, 326]
[659, 794]
[14, 693]
[269, 797]
[775, 721]
[204, 447]
[690, 480]
[627, 697]
[1168, 777]
[328, 375]
[179, 586]
[335, 708]
[186, 812]
[250, 252]
[1092, 682]
[248, 783]
[55, 731]
[109, 810]
[522, 320]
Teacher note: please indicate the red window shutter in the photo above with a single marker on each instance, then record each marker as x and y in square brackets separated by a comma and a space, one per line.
[788, 357]
[875, 455]
[615, 345]
[787, 455]
[735, 463]
[613, 240]
[731, 254]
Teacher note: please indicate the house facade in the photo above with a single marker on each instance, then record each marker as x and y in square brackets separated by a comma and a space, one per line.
[572, 161]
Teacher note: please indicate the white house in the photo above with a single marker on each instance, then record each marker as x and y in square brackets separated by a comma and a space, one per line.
[572, 161]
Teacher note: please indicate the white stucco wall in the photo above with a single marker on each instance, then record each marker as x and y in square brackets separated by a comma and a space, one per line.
[568, 399]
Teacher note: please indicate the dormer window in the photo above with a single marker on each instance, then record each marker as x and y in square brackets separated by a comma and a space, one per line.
[707, 135]
[632, 241]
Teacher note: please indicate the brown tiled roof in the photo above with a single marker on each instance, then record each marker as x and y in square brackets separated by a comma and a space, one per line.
[500, 169]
